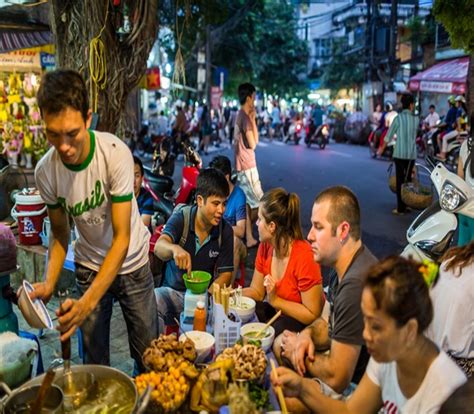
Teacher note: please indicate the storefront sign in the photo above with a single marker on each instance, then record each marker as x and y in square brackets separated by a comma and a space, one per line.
[439, 87]
[20, 61]
[216, 95]
[48, 61]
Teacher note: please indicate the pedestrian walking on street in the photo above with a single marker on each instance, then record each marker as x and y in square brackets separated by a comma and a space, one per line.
[246, 140]
[404, 126]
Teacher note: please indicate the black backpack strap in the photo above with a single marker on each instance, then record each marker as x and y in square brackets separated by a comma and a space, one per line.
[186, 210]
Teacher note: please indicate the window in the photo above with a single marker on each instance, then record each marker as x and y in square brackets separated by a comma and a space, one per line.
[322, 47]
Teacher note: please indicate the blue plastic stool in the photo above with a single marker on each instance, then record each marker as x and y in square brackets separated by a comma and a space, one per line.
[33, 337]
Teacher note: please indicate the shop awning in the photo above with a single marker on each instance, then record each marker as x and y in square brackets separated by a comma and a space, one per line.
[444, 77]
[10, 40]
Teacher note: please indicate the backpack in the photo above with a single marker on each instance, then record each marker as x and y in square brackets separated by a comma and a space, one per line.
[156, 264]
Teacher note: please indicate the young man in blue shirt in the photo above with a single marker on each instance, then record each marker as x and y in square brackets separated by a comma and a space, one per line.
[208, 247]
[235, 210]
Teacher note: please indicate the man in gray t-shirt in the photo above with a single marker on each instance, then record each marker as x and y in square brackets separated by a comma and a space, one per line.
[335, 241]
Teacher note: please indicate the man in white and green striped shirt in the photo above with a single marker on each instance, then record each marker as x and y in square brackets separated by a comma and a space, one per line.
[405, 127]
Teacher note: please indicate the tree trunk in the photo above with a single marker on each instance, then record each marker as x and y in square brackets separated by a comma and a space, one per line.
[76, 23]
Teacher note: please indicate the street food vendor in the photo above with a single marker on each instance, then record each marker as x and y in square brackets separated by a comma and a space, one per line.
[88, 176]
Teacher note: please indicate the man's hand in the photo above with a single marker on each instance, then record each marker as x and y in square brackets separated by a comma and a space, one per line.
[270, 287]
[71, 314]
[296, 348]
[42, 290]
[182, 259]
[289, 380]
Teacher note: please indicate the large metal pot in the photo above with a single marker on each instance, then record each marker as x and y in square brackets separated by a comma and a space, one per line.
[20, 400]
[103, 372]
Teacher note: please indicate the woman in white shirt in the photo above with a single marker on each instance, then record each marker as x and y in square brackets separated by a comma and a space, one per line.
[406, 373]
[452, 328]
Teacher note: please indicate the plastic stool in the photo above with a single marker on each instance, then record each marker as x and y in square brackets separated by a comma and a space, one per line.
[33, 337]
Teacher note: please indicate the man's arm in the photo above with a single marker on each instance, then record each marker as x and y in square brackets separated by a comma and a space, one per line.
[239, 229]
[337, 368]
[74, 312]
[57, 253]
[166, 250]
[146, 218]
[223, 278]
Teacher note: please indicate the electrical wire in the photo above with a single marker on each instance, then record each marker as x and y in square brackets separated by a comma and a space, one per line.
[97, 65]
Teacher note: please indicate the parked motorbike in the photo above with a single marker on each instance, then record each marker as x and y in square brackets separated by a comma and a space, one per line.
[431, 233]
[295, 132]
[318, 136]
[184, 195]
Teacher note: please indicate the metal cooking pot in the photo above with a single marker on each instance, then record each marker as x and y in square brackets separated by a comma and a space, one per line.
[20, 400]
[103, 372]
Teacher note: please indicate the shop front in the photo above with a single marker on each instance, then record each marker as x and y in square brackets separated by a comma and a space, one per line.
[22, 137]
[436, 84]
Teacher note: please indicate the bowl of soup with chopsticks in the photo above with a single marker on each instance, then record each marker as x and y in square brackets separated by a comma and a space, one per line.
[197, 282]
[250, 332]
[245, 308]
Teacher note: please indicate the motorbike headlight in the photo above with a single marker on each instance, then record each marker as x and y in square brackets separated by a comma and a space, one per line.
[451, 198]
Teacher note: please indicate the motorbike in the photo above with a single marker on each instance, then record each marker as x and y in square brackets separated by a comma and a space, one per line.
[319, 135]
[374, 142]
[160, 187]
[431, 233]
[295, 132]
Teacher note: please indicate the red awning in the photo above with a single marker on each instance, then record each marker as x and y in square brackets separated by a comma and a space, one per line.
[445, 77]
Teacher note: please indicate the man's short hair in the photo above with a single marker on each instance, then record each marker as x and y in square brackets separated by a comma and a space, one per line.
[221, 163]
[407, 100]
[138, 161]
[245, 90]
[344, 206]
[61, 89]
[212, 182]
[432, 106]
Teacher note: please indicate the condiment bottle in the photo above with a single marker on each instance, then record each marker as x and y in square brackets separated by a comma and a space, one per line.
[200, 317]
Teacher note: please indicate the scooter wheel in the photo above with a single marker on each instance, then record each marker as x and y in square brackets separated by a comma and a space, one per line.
[322, 145]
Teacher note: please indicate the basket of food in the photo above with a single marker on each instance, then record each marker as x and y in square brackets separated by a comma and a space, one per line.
[171, 373]
[418, 194]
[392, 179]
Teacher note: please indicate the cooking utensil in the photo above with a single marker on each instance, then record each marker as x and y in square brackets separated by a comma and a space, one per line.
[43, 391]
[279, 391]
[21, 400]
[262, 331]
[181, 329]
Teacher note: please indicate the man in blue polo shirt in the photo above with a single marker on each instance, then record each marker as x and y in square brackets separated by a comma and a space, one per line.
[235, 210]
[209, 245]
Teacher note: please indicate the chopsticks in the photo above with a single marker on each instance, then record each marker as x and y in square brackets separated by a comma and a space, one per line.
[279, 391]
[222, 295]
[261, 331]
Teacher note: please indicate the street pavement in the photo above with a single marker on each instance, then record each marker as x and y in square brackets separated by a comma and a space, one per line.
[307, 171]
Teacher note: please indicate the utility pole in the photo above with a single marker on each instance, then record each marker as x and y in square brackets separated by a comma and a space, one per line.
[393, 43]
[368, 41]
[414, 42]
[208, 66]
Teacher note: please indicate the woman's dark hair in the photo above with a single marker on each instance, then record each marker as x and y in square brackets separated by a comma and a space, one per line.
[212, 182]
[221, 163]
[62, 89]
[245, 90]
[400, 290]
[283, 209]
[456, 258]
[138, 161]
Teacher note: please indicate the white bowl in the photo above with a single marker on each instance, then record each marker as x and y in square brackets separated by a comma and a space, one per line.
[203, 342]
[247, 312]
[266, 339]
[34, 311]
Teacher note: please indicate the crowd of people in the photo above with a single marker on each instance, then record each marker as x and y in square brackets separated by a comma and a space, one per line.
[382, 334]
